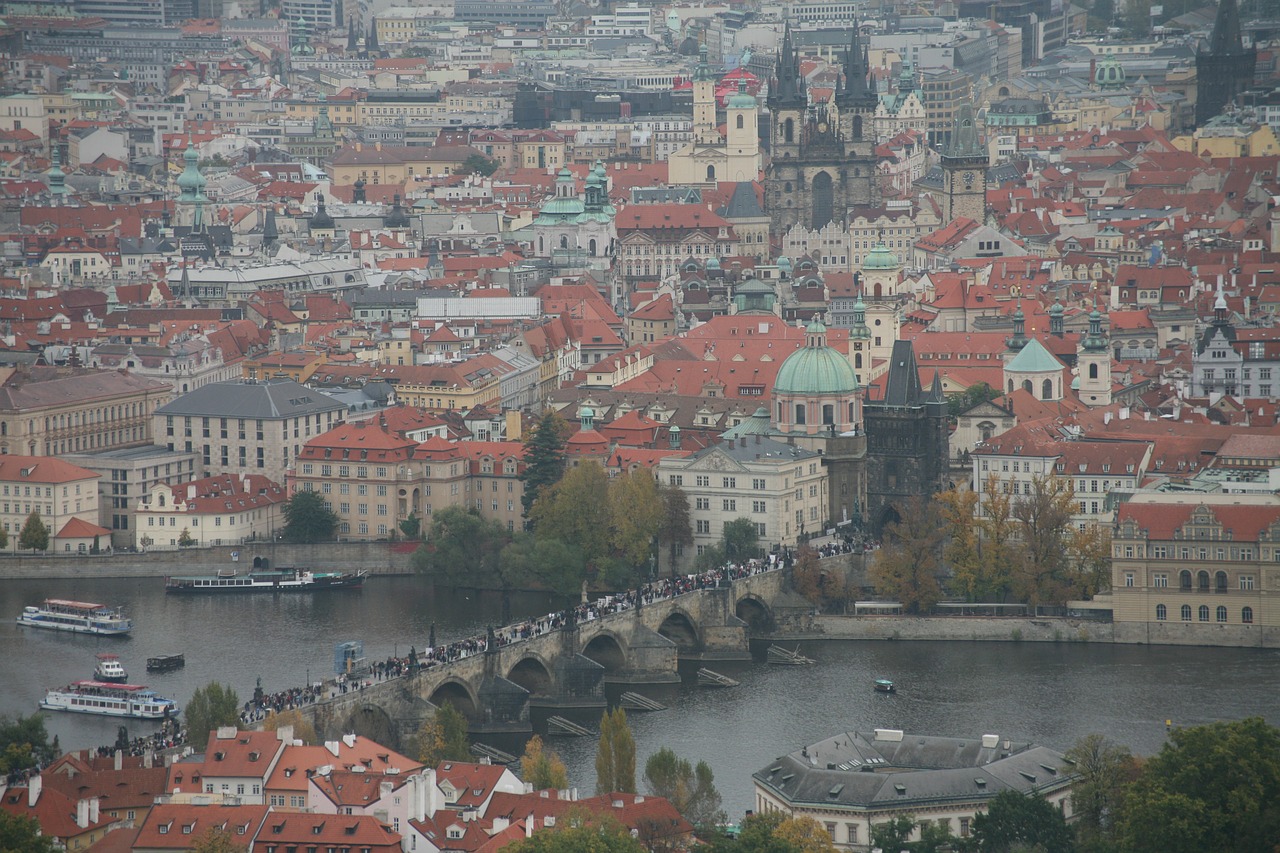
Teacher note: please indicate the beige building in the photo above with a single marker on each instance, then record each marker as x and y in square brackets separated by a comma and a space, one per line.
[395, 164]
[65, 496]
[248, 427]
[221, 510]
[46, 414]
[781, 488]
[1197, 569]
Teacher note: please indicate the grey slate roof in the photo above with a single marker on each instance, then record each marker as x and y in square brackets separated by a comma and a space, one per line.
[757, 448]
[902, 388]
[269, 399]
[743, 204]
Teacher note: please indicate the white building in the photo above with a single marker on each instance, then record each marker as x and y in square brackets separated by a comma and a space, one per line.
[221, 510]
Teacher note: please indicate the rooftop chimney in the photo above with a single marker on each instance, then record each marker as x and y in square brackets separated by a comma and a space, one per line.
[34, 786]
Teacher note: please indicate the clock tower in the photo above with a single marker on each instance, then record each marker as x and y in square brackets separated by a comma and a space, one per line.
[964, 171]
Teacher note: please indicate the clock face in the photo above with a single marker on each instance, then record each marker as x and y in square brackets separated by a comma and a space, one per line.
[822, 127]
[968, 178]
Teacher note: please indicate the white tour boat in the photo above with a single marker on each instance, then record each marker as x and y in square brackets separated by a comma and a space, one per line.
[110, 700]
[78, 617]
[110, 669]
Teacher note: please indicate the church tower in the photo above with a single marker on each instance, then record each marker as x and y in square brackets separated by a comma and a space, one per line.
[1226, 68]
[881, 283]
[964, 171]
[704, 102]
[742, 133]
[1093, 358]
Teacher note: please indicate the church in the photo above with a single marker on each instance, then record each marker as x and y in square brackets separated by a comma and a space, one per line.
[711, 157]
[822, 154]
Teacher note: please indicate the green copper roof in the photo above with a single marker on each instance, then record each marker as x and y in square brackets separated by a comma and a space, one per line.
[815, 370]
[880, 258]
[1033, 358]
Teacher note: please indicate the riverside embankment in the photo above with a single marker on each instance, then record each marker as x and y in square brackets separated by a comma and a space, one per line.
[981, 628]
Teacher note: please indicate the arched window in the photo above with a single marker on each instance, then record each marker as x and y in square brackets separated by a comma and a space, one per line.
[711, 173]
[1026, 386]
[1184, 579]
[853, 412]
[1010, 386]
[1093, 371]
[800, 414]
[739, 122]
[1186, 613]
[857, 127]
[828, 414]
[1202, 581]
[1046, 390]
[788, 130]
[1222, 613]
[1204, 613]
[857, 360]
[1220, 581]
[1162, 613]
[542, 246]
[1246, 615]
[591, 246]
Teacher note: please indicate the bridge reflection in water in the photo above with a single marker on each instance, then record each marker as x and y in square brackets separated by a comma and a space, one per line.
[562, 664]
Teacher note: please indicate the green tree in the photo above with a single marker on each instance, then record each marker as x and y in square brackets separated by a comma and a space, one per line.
[4, 539]
[978, 392]
[712, 557]
[185, 539]
[692, 790]
[635, 514]
[1044, 523]
[1213, 787]
[462, 549]
[21, 834]
[576, 511]
[211, 707]
[307, 520]
[908, 565]
[217, 840]
[1014, 821]
[616, 755]
[676, 530]
[411, 527]
[893, 834]
[741, 541]
[443, 737]
[542, 768]
[580, 833]
[24, 743]
[543, 458]
[543, 562]
[478, 164]
[756, 834]
[824, 588]
[34, 535]
[1102, 767]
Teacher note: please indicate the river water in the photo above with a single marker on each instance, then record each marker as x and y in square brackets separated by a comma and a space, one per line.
[1048, 693]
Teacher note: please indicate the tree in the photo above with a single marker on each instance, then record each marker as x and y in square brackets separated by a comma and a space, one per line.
[675, 530]
[211, 707]
[307, 519]
[443, 737]
[1102, 767]
[804, 835]
[998, 546]
[1015, 821]
[185, 539]
[21, 834]
[826, 589]
[303, 730]
[217, 840]
[908, 564]
[690, 789]
[24, 743]
[978, 392]
[576, 511]
[756, 834]
[34, 535]
[411, 527]
[540, 561]
[579, 832]
[542, 768]
[4, 539]
[616, 755]
[892, 835]
[636, 512]
[741, 541]
[462, 548]
[543, 458]
[1090, 551]
[478, 164]
[1213, 787]
[1044, 519]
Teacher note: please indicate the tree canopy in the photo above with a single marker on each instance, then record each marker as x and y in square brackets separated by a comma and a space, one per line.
[211, 707]
[1015, 821]
[692, 790]
[580, 833]
[303, 730]
[616, 755]
[675, 531]
[34, 535]
[217, 840]
[443, 737]
[24, 743]
[21, 834]
[909, 564]
[541, 767]
[543, 458]
[307, 519]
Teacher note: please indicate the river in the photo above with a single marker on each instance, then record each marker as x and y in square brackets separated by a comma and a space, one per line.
[1048, 693]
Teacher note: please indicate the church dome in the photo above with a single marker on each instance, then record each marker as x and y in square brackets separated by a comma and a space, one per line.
[742, 99]
[1109, 73]
[816, 369]
[880, 258]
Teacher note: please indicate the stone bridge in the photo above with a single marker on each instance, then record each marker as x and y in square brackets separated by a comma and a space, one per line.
[565, 671]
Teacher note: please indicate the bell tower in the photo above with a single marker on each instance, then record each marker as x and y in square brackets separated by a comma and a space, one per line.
[1093, 358]
[964, 171]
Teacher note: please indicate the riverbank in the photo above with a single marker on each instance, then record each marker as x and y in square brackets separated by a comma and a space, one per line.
[981, 628]
[378, 558]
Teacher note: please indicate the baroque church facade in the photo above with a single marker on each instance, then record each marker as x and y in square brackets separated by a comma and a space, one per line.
[822, 155]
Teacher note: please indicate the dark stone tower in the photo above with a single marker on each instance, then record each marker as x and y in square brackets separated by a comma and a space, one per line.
[1226, 68]
[822, 155]
[964, 171]
[907, 449]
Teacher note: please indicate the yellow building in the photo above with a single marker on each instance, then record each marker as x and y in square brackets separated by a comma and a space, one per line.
[395, 164]
[440, 387]
[1230, 141]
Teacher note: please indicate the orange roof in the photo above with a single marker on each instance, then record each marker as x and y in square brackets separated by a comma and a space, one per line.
[78, 528]
[166, 823]
[367, 438]
[1162, 520]
[41, 469]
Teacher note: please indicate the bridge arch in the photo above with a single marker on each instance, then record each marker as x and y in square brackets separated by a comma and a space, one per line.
[372, 722]
[753, 610]
[680, 628]
[533, 674]
[457, 693]
[607, 650]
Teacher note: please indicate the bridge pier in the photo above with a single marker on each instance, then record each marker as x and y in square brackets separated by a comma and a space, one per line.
[651, 659]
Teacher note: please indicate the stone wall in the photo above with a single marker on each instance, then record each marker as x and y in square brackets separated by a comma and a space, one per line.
[1012, 629]
[379, 558]
[1198, 634]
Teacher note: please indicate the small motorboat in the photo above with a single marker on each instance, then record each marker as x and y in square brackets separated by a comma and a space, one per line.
[109, 669]
[165, 663]
[884, 685]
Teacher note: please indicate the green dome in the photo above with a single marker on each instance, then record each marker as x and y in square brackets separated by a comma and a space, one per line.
[880, 258]
[563, 206]
[1056, 309]
[741, 99]
[816, 369]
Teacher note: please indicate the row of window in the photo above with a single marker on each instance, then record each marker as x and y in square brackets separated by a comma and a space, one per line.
[1202, 614]
[1161, 580]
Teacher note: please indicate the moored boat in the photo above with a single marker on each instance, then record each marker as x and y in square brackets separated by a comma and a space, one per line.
[884, 685]
[109, 669]
[165, 663]
[110, 700]
[76, 617]
[288, 580]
